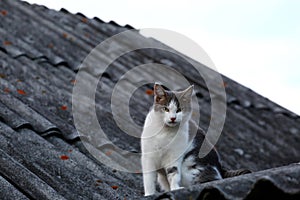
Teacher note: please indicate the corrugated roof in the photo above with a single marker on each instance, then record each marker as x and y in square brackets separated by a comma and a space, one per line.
[276, 183]
[42, 156]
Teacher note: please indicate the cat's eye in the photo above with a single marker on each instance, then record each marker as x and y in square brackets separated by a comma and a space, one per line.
[178, 110]
[166, 109]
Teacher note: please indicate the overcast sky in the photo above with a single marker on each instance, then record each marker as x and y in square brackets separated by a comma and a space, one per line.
[256, 43]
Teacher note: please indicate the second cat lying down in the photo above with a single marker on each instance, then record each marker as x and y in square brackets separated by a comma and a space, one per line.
[170, 153]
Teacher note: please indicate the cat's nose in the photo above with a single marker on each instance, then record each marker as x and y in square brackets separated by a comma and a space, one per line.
[173, 119]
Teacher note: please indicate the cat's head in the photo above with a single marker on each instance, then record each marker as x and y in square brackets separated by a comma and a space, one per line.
[172, 106]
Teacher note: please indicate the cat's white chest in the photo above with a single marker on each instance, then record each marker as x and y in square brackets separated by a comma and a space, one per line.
[163, 141]
[163, 145]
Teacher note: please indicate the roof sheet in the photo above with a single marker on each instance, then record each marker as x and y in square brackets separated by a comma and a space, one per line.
[42, 156]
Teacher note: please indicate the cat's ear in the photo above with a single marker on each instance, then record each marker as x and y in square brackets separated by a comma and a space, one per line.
[159, 93]
[186, 95]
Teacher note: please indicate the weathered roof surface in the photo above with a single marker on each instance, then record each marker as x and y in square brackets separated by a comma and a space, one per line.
[276, 183]
[42, 156]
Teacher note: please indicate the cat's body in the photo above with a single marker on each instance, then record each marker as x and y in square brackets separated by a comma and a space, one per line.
[197, 170]
[170, 154]
[170, 145]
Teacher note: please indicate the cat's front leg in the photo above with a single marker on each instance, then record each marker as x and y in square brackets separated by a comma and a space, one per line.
[174, 175]
[149, 179]
[149, 175]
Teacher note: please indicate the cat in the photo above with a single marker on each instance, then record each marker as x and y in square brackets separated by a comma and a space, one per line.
[170, 151]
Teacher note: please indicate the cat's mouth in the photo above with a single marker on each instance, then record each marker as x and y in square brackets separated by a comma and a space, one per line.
[172, 123]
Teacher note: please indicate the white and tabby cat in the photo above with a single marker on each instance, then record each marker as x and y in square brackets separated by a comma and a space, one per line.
[169, 152]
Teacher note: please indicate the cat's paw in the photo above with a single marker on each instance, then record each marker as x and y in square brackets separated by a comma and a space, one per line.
[148, 193]
[177, 188]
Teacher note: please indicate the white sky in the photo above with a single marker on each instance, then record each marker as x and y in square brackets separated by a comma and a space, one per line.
[256, 43]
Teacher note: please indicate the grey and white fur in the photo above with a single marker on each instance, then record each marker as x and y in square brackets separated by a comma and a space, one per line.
[170, 150]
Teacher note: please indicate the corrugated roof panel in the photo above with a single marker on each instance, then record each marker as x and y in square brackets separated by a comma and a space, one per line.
[53, 168]
[9, 191]
[277, 183]
[40, 56]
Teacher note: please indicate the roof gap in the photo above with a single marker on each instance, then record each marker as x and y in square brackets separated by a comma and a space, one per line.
[81, 15]
[23, 55]
[3, 50]
[24, 126]
[129, 26]
[63, 10]
[114, 23]
[98, 20]
[63, 63]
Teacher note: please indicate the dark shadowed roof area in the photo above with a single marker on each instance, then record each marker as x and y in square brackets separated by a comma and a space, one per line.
[42, 156]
